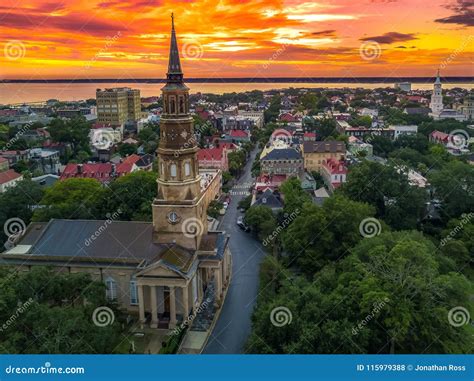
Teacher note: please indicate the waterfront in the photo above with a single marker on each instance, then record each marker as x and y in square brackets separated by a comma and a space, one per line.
[18, 93]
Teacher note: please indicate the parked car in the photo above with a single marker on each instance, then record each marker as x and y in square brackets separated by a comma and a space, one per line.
[225, 204]
[241, 224]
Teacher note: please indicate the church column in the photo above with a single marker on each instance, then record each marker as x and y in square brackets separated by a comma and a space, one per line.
[218, 273]
[172, 307]
[185, 301]
[141, 304]
[154, 308]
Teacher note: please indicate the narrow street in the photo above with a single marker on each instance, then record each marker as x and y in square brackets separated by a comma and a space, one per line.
[234, 325]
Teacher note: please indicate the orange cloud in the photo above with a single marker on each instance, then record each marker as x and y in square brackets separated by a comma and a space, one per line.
[231, 38]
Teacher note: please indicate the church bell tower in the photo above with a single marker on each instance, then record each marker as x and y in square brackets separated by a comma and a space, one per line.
[178, 209]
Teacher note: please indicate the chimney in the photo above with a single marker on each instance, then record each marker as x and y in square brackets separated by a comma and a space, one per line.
[114, 170]
[79, 169]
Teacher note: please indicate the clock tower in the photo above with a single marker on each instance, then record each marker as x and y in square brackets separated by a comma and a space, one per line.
[179, 214]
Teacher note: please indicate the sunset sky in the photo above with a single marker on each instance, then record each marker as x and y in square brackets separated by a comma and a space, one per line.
[129, 39]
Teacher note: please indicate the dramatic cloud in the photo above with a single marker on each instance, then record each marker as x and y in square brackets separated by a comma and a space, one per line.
[391, 37]
[464, 13]
[234, 38]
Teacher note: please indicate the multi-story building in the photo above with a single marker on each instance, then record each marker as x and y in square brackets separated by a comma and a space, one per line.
[285, 161]
[334, 173]
[403, 130]
[8, 179]
[315, 153]
[467, 107]
[116, 106]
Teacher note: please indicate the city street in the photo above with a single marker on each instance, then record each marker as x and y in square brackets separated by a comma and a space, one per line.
[233, 327]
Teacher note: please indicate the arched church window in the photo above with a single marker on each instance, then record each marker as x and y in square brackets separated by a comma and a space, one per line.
[111, 288]
[172, 106]
[173, 170]
[133, 292]
[187, 169]
[181, 105]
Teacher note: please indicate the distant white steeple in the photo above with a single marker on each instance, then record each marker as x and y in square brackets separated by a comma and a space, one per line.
[436, 103]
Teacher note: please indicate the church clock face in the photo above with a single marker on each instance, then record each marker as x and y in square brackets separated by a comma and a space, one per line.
[173, 217]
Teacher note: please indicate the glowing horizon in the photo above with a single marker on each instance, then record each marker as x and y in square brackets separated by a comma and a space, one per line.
[79, 39]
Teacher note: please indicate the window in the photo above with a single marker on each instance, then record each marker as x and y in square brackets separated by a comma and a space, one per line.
[162, 169]
[133, 292]
[187, 169]
[181, 104]
[173, 170]
[172, 106]
[110, 289]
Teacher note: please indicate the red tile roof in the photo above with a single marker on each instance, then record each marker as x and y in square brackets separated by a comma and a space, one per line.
[210, 154]
[438, 135]
[99, 171]
[238, 134]
[335, 167]
[7, 176]
[131, 159]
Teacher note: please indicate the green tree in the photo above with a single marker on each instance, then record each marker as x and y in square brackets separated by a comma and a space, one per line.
[387, 188]
[454, 185]
[19, 202]
[133, 195]
[71, 199]
[55, 313]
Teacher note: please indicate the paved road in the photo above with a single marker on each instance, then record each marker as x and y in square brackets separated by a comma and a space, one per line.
[233, 327]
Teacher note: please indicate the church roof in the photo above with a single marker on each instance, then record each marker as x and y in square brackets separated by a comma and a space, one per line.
[95, 242]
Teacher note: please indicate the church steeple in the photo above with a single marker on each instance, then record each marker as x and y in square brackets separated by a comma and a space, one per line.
[175, 74]
[180, 199]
